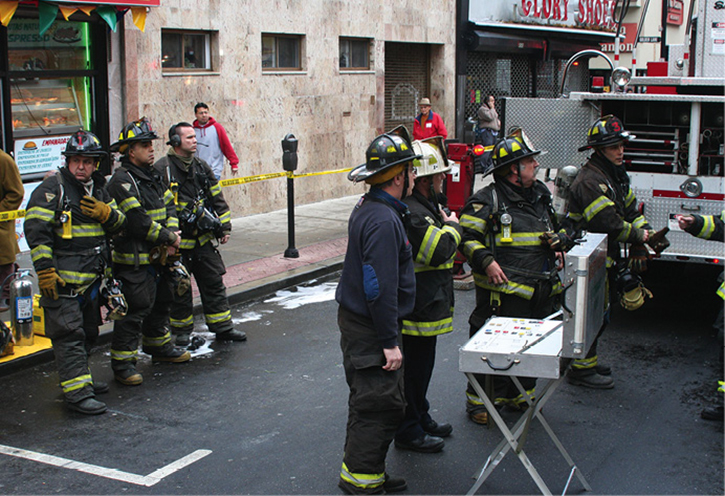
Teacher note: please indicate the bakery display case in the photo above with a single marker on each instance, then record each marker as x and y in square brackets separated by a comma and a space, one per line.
[44, 107]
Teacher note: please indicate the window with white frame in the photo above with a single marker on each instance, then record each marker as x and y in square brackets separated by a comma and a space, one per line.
[355, 54]
[183, 50]
[281, 52]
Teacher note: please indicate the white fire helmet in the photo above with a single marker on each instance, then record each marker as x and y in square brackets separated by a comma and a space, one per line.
[432, 161]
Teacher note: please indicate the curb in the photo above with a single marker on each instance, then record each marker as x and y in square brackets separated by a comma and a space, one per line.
[236, 295]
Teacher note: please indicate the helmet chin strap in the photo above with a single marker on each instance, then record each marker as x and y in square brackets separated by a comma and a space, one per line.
[406, 182]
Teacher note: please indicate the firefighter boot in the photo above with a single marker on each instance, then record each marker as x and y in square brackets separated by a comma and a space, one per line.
[88, 406]
[175, 355]
[128, 377]
[394, 484]
[233, 335]
[589, 378]
[183, 339]
[477, 413]
[100, 387]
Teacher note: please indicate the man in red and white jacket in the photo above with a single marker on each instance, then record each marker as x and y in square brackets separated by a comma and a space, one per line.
[428, 124]
[213, 142]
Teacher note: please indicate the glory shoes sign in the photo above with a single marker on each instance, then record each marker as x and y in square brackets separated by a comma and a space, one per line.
[581, 14]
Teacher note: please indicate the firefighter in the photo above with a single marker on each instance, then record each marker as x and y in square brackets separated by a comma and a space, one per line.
[434, 237]
[69, 216]
[713, 228]
[514, 247]
[204, 218]
[140, 254]
[376, 291]
[602, 201]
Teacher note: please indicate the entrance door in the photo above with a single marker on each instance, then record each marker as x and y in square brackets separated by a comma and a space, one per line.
[407, 80]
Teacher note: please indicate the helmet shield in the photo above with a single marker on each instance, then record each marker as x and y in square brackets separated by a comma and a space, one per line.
[511, 149]
[606, 131]
[385, 151]
[136, 131]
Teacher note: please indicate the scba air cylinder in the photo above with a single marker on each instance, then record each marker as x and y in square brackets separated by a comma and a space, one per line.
[21, 309]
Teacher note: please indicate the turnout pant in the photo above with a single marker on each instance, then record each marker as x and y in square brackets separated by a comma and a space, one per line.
[419, 357]
[139, 289]
[376, 403]
[207, 266]
[72, 323]
[539, 306]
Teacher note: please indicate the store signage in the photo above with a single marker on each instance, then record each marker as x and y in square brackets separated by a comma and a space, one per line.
[20, 223]
[629, 30]
[585, 15]
[120, 3]
[40, 154]
[649, 39]
[24, 33]
[674, 12]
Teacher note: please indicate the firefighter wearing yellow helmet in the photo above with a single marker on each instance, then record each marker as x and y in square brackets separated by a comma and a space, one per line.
[434, 237]
[601, 200]
[70, 214]
[140, 255]
[513, 244]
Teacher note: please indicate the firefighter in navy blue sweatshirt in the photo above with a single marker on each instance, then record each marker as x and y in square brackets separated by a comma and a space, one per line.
[376, 291]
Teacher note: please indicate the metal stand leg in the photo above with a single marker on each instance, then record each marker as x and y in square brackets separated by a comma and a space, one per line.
[514, 439]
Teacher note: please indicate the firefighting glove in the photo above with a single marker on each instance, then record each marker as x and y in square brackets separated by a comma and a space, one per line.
[658, 241]
[158, 254]
[638, 256]
[634, 298]
[47, 280]
[95, 209]
[181, 278]
[558, 241]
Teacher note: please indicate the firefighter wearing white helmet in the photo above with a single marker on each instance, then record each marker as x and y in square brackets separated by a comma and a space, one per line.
[601, 200]
[513, 244]
[434, 237]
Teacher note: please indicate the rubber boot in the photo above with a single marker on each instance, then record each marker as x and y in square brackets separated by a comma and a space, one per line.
[100, 387]
[589, 378]
[128, 377]
[88, 406]
[233, 335]
[477, 413]
[183, 340]
[176, 355]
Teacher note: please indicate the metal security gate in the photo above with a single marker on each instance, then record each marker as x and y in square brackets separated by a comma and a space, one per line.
[516, 76]
[407, 80]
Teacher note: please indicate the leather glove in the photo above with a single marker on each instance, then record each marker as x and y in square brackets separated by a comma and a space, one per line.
[158, 254]
[638, 256]
[658, 241]
[558, 241]
[47, 281]
[95, 209]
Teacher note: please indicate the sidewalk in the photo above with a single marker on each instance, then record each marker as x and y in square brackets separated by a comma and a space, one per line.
[254, 258]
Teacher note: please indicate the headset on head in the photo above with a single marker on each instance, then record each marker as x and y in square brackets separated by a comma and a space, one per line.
[174, 138]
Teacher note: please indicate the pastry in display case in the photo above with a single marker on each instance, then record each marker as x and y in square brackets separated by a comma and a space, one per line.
[43, 107]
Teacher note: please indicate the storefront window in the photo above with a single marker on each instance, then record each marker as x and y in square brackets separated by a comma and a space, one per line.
[64, 46]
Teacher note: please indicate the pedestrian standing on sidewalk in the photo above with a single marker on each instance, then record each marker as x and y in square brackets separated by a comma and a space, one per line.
[376, 291]
[204, 218]
[487, 129]
[70, 215]
[213, 141]
[434, 237]
[140, 253]
[428, 124]
[11, 196]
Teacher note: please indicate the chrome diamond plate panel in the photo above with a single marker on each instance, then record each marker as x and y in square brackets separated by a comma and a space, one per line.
[660, 212]
[556, 125]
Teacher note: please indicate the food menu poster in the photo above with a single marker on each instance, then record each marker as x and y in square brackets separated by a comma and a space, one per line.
[20, 223]
[40, 154]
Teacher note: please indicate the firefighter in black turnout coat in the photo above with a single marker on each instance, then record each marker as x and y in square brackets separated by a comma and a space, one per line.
[434, 237]
[204, 217]
[514, 247]
[140, 253]
[69, 218]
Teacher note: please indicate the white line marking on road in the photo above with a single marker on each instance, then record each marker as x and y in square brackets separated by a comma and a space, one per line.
[109, 473]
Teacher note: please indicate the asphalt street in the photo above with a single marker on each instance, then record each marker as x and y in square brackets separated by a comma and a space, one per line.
[270, 413]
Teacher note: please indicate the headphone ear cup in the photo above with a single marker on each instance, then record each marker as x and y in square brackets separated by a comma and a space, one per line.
[175, 140]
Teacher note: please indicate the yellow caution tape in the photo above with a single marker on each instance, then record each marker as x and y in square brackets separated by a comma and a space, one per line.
[307, 174]
[249, 179]
[11, 215]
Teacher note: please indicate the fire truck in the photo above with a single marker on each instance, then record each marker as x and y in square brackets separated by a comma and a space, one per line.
[676, 160]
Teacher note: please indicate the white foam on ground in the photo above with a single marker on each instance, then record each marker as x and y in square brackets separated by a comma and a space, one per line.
[250, 316]
[304, 295]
